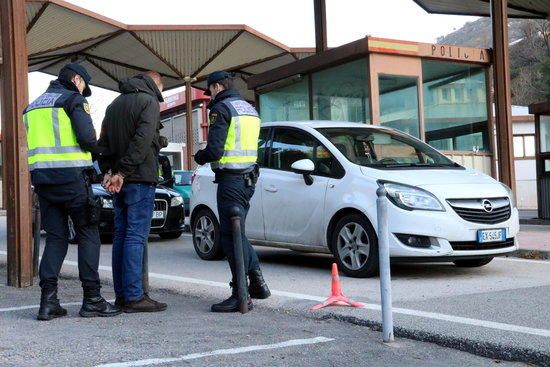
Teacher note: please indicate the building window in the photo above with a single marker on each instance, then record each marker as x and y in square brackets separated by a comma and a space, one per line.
[399, 103]
[544, 134]
[524, 146]
[290, 103]
[341, 93]
[455, 106]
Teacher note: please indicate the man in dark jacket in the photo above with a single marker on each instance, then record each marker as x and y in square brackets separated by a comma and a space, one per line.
[61, 140]
[233, 159]
[130, 130]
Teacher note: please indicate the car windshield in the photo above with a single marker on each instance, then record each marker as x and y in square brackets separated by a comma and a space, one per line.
[378, 148]
[182, 178]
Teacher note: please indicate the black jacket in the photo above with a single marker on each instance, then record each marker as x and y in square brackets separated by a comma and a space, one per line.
[130, 130]
[77, 108]
[220, 119]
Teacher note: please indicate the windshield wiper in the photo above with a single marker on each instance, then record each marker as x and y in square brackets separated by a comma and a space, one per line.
[399, 165]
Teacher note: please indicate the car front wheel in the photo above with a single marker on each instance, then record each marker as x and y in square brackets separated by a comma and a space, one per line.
[206, 236]
[355, 246]
[472, 263]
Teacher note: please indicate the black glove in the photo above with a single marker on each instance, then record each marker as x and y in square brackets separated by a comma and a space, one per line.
[163, 141]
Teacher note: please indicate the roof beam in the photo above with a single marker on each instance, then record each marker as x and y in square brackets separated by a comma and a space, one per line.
[128, 66]
[222, 49]
[158, 56]
[103, 70]
[521, 8]
[37, 16]
[100, 38]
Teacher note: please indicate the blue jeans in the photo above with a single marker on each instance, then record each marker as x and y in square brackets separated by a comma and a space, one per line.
[134, 206]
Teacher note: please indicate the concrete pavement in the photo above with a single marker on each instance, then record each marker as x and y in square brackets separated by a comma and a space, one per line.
[188, 334]
[495, 311]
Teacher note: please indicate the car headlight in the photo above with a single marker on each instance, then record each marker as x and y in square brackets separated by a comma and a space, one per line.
[412, 198]
[511, 195]
[176, 200]
[107, 203]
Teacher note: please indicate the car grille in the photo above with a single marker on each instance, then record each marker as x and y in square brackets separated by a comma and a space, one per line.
[160, 205]
[485, 211]
[473, 245]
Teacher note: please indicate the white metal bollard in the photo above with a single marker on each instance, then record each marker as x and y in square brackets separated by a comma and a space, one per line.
[384, 263]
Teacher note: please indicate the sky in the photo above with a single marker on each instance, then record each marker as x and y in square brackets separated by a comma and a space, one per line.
[290, 22]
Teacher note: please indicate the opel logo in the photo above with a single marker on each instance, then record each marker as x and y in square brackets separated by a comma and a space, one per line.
[487, 205]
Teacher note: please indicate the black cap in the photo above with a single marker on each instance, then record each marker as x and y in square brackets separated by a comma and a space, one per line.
[69, 70]
[215, 77]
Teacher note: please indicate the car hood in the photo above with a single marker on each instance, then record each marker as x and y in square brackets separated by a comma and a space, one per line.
[430, 177]
[444, 183]
[162, 190]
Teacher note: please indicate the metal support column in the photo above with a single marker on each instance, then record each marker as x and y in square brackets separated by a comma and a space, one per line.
[320, 10]
[14, 142]
[503, 95]
[189, 121]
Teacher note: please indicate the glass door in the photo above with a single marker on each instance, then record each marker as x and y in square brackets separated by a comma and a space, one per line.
[398, 97]
[396, 93]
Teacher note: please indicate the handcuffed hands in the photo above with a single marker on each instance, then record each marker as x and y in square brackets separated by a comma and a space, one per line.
[112, 183]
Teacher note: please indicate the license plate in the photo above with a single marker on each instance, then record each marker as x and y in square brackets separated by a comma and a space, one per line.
[491, 235]
[158, 214]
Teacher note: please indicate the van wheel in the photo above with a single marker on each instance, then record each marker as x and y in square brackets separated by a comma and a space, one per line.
[472, 263]
[355, 246]
[206, 236]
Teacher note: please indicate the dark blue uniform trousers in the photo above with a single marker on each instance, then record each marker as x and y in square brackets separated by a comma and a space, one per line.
[57, 203]
[232, 191]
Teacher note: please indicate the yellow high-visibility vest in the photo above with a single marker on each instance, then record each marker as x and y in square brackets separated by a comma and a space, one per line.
[50, 137]
[241, 144]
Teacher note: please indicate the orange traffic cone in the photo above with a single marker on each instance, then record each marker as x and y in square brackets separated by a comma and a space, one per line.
[337, 298]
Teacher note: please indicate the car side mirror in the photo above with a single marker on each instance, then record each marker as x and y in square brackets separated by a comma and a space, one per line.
[304, 167]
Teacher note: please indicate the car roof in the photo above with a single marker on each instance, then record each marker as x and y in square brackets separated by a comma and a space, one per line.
[317, 124]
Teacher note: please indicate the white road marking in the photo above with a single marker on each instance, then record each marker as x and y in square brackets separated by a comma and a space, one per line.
[371, 306]
[519, 260]
[8, 309]
[252, 348]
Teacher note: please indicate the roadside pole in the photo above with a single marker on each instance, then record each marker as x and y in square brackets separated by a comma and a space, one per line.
[384, 261]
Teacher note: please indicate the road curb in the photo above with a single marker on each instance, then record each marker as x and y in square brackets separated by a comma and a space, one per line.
[483, 349]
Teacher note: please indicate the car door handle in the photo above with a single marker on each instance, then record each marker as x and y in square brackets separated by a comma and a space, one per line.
[271, 188]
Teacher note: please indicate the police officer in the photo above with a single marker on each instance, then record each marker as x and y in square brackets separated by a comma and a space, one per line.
[61, 139]
[232, 150]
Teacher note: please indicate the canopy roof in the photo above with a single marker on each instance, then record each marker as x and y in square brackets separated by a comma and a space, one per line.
[59, 32]
[516, 8]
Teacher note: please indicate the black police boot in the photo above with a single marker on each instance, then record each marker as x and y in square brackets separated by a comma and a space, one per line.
[232, 303]
[49, 305]
[98, 306]
[258, 287]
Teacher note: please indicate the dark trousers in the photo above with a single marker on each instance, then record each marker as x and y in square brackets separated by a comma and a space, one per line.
[57, 204]
[232, 191]
[134, 206]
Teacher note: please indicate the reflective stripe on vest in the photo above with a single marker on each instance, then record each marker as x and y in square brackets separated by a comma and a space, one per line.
[241, 144]
[51, 140]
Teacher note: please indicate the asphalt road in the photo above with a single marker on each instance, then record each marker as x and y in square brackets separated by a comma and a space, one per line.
[498, 311]
[188, 335]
